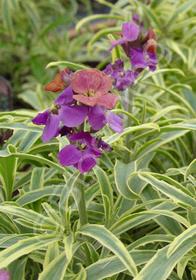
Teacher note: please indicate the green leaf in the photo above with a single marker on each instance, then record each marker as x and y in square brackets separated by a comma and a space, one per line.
[32, 196]
[161, 266]
[29, 215]
[169, 190]
[152, 16]
[190, 169]
[179, 10]
[55, 269]
[110, 241]
[64, 199]
[108, 267]
[116, 136]
[24, 247]
[191, 213]
[19, 266]
[125, 223]
[39, 159]
[190, 233]
[106, 191]
[68, 64]
[51, 254]
[33, 15]
[86, 20]
[122, 172]
[7, 173]
[7, 16]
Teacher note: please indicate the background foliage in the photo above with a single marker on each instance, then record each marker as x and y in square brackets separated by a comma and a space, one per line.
[141, 214]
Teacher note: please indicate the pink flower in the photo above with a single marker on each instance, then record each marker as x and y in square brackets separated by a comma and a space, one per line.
[91, 87]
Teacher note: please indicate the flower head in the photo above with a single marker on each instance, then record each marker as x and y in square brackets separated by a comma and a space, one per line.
[63, 109]
[130, 33]
[140, 59]
[60, 82]
[91, 87]
[82, 152]
[122, 78]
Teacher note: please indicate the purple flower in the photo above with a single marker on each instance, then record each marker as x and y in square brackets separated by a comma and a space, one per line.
[130, 32]
[140, 59]
[4, 275]
[121, 77]
[64, 110]
[83, 154]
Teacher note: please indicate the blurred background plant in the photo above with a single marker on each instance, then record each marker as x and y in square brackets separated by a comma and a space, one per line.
[33, 33]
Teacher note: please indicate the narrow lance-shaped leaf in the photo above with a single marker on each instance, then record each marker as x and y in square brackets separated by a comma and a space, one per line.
[110, 241]
[177, 195]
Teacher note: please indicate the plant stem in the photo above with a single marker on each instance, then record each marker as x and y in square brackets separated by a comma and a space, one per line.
[128, 124]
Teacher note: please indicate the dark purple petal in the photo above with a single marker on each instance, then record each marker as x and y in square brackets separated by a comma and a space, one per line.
[82, 137]
[72, 116]
[4, 275]
[64, 131]
[41, 118]
[96, 117]
[69, 155]
[123, 82]
[66, 97]
[115, 122]
[103, 145]
[86, 163]
[51, 128]
[151, 61]
[108, 69]
[138, 58]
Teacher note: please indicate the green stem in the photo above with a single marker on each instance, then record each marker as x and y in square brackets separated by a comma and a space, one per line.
[128, 124]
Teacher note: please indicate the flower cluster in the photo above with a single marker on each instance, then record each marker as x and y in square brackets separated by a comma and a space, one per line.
[140, 48]
[85, 101]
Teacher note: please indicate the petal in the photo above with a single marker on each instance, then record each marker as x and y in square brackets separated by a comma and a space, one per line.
[56, 84]
[51, 128]
[84, 80]
[69, 155]
[96, 117]
[86, 163]
[105, 85]
[130, 30]
[41, 118]
[72, 116]
[4, 275]
[115, 122]
[66, 97]
[87, 100]
[82, 137]
[137, 58]
[116, 43]
[108, 100]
